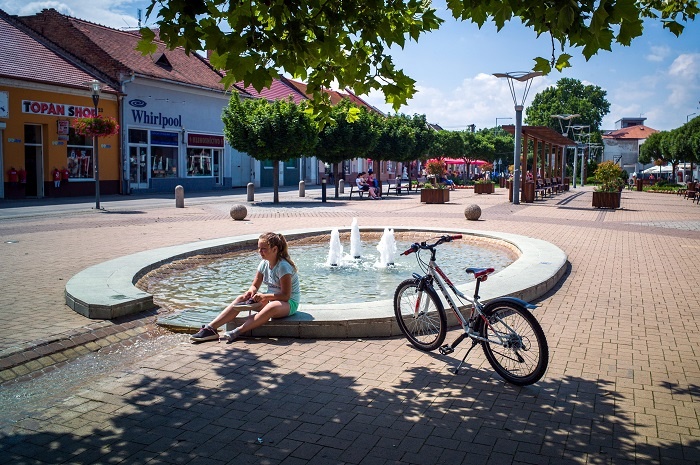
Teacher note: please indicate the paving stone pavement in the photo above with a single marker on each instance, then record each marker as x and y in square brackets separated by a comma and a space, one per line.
[623, 385]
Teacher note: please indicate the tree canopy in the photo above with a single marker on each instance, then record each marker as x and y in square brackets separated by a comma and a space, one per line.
[345, 41]
[569, 97]
[277, 131]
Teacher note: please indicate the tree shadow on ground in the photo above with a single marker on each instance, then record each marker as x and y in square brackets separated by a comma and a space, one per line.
[246, 407]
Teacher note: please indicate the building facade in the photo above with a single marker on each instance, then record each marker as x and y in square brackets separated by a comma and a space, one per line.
[41, 92]
[622, 144]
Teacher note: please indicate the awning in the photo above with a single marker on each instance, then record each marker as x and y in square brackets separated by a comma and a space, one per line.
[459, 161]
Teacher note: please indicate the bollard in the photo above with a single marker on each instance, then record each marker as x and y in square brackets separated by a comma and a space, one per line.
[323, 190]
[302, 188]
[179, 197]
[341, 186]
[251, 192]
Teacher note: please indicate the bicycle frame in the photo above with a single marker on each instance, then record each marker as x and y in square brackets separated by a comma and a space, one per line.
[443, 282]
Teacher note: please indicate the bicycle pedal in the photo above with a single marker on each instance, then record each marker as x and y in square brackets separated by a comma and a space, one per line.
[446, 349]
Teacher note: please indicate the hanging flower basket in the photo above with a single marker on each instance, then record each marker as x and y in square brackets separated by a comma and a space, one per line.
[96, 127]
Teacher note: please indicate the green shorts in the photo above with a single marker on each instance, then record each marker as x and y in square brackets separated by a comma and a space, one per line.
[293, 306]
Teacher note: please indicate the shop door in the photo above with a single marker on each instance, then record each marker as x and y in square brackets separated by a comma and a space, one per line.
[138, 167]
[33, 160]
[291, 172]
[218, 171]
[266, 173]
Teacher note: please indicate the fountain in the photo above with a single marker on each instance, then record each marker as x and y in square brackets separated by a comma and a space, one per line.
[355, 244]
[335, 251]
[387, 248]
[340, 301]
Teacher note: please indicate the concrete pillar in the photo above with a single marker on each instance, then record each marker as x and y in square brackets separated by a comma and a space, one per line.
[179, 197]
[251, 192]
[302, 188]
[341, 186]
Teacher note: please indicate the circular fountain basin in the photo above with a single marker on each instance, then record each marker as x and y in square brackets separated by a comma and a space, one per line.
[108, 290]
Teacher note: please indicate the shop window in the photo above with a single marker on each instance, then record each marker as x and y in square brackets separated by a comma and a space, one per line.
[138, 136]
[79, 156]
[164, 154]
[163, 162]
[199, 162]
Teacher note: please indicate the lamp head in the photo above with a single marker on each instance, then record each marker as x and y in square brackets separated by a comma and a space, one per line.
[95, 86]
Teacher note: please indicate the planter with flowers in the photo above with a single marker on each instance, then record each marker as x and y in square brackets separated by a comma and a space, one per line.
[98, 126]
[608, 194]
[483, 187]
[436, 192]
[430, 194]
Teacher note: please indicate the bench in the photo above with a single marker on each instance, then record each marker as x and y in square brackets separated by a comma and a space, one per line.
[395, 186]
[356, 190]
[542, 190]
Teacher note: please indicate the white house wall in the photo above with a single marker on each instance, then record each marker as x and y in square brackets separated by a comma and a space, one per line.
[158, 106]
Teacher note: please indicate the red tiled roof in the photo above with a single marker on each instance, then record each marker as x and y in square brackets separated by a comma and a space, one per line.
[335, 95]
[23, 56]
[278, 90]
[632, 132]
[114, 51]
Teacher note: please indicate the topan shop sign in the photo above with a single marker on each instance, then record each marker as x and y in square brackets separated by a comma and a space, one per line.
[56, 109]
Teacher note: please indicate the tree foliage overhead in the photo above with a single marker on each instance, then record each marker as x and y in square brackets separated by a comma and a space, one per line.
[569, 96]
[346, 41]
[591, 25]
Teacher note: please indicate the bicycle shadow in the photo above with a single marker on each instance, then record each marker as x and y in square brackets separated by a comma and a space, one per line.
[271, 401]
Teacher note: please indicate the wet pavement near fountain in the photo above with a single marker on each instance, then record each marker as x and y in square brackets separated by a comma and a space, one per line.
[623, 329]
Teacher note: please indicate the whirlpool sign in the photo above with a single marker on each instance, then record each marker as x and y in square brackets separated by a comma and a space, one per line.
[151, 118]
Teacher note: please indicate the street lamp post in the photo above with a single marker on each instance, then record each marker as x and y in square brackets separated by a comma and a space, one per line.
[565, 133]
[96, 87]
[526, 77]
[579, 143]
[687, 118]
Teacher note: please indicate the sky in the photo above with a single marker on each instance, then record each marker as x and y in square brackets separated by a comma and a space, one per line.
[657, 77]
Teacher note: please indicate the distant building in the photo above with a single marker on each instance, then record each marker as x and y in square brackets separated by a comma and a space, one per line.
[622, 144]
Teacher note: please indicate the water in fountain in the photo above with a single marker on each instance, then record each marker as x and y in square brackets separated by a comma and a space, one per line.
[355, 244]
[387, 248]
[335, 251]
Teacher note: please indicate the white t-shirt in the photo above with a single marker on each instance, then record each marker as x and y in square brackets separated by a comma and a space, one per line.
[273, 276]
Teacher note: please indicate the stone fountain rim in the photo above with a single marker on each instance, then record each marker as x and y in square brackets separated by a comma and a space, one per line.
[107, 290]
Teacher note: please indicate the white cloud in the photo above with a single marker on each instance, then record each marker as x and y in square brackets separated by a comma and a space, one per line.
[658, 53]
[684, 81]
[477, 100]
[113, 13]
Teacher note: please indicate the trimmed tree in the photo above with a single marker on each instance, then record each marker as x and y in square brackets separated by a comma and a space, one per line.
[351, 133]
[278, 131]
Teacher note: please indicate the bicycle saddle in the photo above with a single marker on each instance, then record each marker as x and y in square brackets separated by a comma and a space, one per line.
[479, 272]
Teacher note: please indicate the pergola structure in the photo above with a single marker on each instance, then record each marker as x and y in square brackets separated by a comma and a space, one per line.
[549, 150]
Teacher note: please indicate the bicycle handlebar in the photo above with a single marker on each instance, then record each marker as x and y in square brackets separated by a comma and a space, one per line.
[415, 247]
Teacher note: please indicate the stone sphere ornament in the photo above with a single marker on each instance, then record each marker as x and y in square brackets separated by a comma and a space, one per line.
[472, 212]
[239, 212]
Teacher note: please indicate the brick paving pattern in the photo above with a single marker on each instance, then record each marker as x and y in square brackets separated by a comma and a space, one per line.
[623, 384]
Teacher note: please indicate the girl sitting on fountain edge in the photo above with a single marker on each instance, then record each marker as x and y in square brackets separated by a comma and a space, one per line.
[279, 273]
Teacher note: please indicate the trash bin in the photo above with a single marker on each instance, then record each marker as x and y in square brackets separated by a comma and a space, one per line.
[640, 185]
[501, 182]
[529, 192]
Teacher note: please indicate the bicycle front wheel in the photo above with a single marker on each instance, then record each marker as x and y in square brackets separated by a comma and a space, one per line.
[420, 316]
[515, 344]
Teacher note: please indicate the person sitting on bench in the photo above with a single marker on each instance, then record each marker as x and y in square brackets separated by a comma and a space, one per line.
[363, 186]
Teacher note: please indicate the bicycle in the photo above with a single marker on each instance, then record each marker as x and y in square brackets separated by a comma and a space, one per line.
[511, 337]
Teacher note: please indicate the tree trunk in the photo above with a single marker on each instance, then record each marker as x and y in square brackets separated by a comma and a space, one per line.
[276, 181]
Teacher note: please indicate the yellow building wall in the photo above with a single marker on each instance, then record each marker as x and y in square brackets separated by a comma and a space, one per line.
[55, 150]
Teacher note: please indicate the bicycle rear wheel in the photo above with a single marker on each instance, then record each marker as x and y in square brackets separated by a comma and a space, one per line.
[423, 322]
[516, 346]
